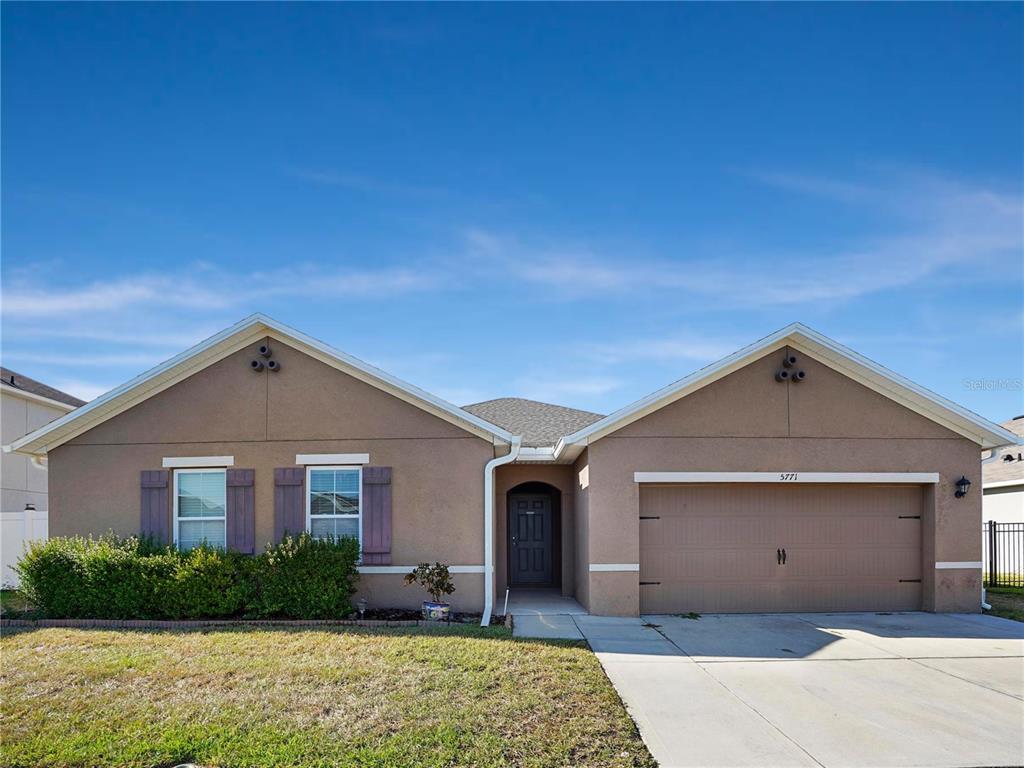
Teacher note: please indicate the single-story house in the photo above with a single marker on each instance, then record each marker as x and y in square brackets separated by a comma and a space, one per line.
[792, 475]
[1002, 475]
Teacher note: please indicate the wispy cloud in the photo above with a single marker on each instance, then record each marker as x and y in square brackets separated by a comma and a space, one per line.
[97, 360]
[210, 288]
[666, 349]
[933, 224]
[557, 389]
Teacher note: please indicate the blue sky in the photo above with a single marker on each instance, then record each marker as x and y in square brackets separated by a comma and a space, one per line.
[574, 203]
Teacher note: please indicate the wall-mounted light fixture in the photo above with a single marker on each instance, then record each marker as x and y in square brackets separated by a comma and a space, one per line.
[962, 486]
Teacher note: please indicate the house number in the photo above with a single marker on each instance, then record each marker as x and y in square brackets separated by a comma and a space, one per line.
[787, 477]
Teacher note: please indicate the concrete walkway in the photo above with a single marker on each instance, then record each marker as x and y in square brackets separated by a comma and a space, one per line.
[819, 690]
[545, 614]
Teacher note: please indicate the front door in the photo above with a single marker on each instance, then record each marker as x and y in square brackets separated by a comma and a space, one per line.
[529, 539]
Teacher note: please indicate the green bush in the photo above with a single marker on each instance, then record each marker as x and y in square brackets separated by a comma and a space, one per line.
[207, 583]
[307, 578]
[132, 578]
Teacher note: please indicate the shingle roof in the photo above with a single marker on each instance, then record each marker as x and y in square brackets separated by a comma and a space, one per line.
[1000, 471]
[540, 424]
[26, 384]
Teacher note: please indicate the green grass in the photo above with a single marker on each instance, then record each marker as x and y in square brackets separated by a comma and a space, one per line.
[1007, 602]
[464, 696]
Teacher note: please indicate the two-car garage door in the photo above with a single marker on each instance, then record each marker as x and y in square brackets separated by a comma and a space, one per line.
[779, 547]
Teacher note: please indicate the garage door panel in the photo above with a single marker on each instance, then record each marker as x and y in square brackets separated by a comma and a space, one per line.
[708, 548]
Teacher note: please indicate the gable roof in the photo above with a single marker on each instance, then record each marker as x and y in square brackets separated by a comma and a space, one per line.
[12, 380]
[1000, 472]
[539, 424]
[219, 346]
[833, 354]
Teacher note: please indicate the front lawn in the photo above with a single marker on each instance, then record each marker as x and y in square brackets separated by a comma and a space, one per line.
[355, 697]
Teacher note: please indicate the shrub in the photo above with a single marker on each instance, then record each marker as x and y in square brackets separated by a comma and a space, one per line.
[133, 578]
[307, 578]
[207, 583]
[104, 578]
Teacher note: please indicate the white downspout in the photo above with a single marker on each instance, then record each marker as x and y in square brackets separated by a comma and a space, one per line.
[493, 464]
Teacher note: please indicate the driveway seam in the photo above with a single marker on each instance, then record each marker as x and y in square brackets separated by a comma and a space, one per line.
[740, 699]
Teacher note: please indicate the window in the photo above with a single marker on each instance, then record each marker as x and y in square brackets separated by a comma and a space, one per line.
[200, 507]
[332, 506]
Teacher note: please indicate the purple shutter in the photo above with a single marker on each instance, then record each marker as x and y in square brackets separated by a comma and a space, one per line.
[289, 501]
[156, 504]
[376, 504]
[241, 512]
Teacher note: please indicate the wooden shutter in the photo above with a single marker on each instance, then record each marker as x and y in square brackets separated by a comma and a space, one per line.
[156, 504]
[289, 501]
[241, 512]
[376, 508]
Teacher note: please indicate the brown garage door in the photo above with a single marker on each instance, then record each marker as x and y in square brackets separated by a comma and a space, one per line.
[709, 548]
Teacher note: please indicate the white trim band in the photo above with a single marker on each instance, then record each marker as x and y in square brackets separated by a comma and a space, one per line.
[786, 477]
[187, 462]
[408, 568]
[972, 564]
[332, 458]
[614, 567]
[1003, 484]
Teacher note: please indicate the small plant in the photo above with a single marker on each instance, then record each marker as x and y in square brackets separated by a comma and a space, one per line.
[434, 578]
[690, 615]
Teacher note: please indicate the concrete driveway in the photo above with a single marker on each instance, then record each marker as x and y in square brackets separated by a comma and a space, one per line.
[911, 689]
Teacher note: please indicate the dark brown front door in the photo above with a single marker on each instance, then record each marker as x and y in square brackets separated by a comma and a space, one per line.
[530, 542]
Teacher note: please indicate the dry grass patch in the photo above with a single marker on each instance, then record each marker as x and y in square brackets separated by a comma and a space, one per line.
[353, 697]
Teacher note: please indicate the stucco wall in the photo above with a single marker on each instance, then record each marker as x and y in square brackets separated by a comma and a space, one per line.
[1004, 505]
[264, 420]
[749, 422]
[21, 482]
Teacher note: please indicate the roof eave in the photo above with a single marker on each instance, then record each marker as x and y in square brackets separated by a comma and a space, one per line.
[218, 346]
[929, 404]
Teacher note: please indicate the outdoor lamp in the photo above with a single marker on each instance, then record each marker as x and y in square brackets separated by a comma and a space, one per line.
[962, 486]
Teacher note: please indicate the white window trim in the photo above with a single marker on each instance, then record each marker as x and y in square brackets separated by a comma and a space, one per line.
[209, 462]
[309, 496]
[959, 564]
[195, 471]
[787, 476]
[332, 458]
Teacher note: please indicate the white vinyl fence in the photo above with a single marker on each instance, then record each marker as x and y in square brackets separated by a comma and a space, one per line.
[16, 530]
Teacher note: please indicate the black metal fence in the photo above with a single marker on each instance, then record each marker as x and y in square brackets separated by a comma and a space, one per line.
[1002, 547]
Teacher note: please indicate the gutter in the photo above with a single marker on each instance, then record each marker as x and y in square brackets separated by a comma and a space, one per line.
[493, 464]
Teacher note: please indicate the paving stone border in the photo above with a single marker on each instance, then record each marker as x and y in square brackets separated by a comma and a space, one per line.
[212, 623]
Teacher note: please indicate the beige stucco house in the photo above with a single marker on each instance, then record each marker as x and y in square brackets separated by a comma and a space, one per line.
[25, 405]
[793, 475]
[1003, 479]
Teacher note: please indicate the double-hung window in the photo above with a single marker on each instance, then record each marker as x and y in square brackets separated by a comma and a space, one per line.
[200, 507]
[333, 502]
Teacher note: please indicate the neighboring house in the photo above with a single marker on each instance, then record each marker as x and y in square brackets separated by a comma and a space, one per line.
[25, 405]
[1003, 480]
[793, 475]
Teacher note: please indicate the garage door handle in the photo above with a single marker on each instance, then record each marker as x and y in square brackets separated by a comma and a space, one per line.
[778, 556]
[783, 555]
